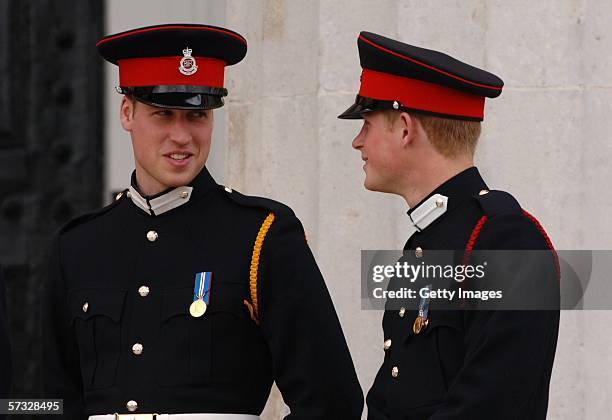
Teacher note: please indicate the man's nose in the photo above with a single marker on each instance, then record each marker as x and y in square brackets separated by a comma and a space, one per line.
[357, 142]
[180, 133]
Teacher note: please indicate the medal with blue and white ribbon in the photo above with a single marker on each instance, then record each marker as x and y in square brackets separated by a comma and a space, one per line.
[201, 294]
[422, 321]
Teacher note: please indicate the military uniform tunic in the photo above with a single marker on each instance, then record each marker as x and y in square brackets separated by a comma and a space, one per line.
[469, 364]
[118, 327]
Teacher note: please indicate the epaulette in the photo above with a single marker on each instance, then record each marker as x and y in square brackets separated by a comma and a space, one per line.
[493, 203]
[275, 210]
[92, 215]
[496, 202]
[279, 209]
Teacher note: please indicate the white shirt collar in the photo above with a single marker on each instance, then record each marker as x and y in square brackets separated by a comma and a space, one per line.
[428, 211]
[165, 202]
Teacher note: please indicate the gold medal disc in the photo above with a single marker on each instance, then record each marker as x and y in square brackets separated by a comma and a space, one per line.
[418, 325]
[197, 308]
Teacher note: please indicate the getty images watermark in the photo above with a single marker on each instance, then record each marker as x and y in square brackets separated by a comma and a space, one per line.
[485, 280]
[420, 272]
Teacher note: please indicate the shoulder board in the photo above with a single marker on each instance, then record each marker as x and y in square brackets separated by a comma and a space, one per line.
[496, 202]
[92, 215]
[277, 208]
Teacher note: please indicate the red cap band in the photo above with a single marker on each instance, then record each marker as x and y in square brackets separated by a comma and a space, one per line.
[165, 71]
[420, 95]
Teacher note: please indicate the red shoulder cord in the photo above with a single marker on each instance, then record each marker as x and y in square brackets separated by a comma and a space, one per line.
[480, 224]
[470, 243]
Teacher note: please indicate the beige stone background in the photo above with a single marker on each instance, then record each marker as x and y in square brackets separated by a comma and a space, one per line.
[545, 140]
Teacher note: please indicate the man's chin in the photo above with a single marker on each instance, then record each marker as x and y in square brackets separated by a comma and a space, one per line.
[371, 185]
[180, 179]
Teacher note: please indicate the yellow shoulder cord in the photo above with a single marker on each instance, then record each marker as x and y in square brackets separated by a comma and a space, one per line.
[253, 306]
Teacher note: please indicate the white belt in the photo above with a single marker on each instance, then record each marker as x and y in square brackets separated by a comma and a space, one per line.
[186, 416]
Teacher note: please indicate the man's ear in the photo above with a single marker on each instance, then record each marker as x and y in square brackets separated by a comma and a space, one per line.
[408, 126]
[126, 113]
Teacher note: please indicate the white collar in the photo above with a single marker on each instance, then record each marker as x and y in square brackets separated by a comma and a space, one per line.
[165, 202]
[428, 211]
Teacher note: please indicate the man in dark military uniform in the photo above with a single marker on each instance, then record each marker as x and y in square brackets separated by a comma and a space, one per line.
[422, 111]
[182, 297]
[5, 348]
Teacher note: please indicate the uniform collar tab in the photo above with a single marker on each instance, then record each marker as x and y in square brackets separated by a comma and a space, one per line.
[173, 197]
[162, 203]
[428, 211]
[456, 190]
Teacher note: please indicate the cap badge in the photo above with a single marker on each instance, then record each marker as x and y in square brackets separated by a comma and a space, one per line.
[188, 65]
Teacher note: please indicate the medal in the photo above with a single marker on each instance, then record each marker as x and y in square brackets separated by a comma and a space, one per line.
[422, 321]
[419, 324]
[197, 308]
[201, 294]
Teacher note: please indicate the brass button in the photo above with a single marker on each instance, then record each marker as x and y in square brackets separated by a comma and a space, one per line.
[152, 236]
[118, 196]
[395, 372]
[137, 349]
[128, 194]
[483, 192]
[143, 291]
[132, 406]
[387, 344]
[402, 311]
[228, 189]
[85, 307]
[184, 194]
[439, 202]
[418, 252]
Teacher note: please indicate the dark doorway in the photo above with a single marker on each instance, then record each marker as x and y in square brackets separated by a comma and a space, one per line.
[51, 150]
